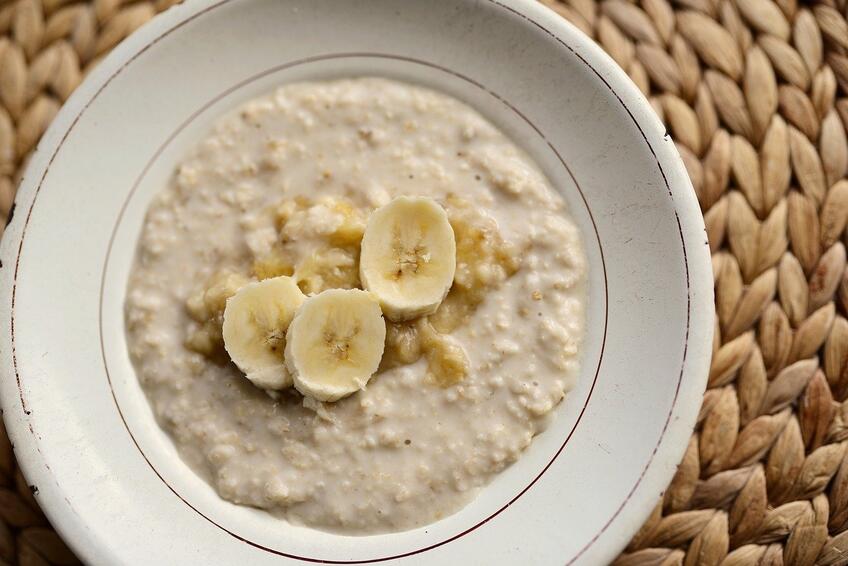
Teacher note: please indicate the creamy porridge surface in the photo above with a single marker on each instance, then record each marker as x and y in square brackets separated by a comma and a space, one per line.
[280, 187]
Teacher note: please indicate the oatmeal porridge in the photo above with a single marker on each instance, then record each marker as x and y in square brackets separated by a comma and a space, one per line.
[275, 219]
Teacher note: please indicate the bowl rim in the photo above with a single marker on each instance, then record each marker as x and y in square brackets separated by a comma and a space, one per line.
[699, 275]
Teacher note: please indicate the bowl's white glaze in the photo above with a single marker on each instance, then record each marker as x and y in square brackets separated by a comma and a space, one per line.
[110, 480]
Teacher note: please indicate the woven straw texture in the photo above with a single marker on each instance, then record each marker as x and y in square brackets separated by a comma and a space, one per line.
[755, 93]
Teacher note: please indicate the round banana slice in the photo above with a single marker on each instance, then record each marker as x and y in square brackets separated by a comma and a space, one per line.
[335, 343]
[255, 322]
[408, 257]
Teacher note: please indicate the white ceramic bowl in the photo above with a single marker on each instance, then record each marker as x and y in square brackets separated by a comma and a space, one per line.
[107, 476]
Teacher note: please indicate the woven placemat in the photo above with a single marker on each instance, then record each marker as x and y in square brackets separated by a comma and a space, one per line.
[755, 93]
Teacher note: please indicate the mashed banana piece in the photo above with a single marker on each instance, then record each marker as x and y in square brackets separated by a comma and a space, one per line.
[206, 307]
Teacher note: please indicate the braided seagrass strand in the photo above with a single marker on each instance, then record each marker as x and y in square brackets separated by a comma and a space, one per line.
[755, 93]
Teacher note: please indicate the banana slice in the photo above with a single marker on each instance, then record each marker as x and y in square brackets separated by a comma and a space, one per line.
[408, 257]
[335, 343]
[255, 322]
